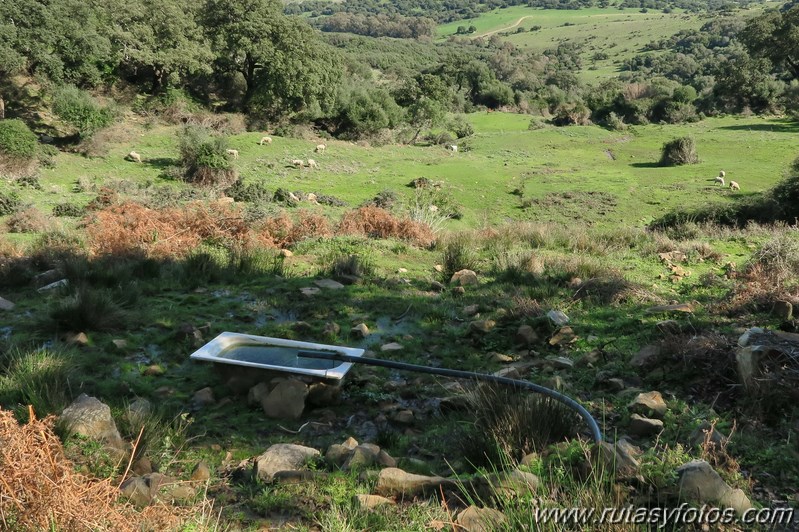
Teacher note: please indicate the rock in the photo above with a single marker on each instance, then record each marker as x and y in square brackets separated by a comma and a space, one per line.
[615, 384]
[393, 481]
[782, 310]
[698, 481]
[558, 317]
[153, 370]
[367, 431]
[618, 458]
[668, 326]
[565, 335]
[120, 343]
[590, 358]
[370, 502]
[677, 307]
[331, 328]
[321, 395]
[458, 291]
[499, 357]
[403, 417]
[329, 283]
[45, 278]
[508, 373]
[360, 331]
[53, 286]
[439, 268]
[464, 278]
[310, 291]
[189, 333]
[139, 408]
[643, 426]
[137, 491]
[555, 383]
[435, 286]
[282, 457]
[474, 519]
[204, 397]
[707, 432]
[5, 304]
[201, 472]
[482, 326]
[286, 400]
[80, 339]
[142, 466]
[363, 456]
[525, 335]
[393, 346]
[471, 310]
[508, 484]
[647, 356]
[286, 253]
[747, 336]
[89, 417]
[649, 404]
[337, 454]
[257, 393]
[385, 459]
[560, 362]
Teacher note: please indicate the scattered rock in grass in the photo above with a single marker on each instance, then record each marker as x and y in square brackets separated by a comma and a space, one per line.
[619, 458]
[749, 335]
[671, 257]
[88, 416]
[363, 456]
[204, 397]
[782, 310]
[555, 383]
[435, 286]
[403, 417]
[321, 394]
[310, 291]
[257, 393]
[574, 283]
[286, 253]
[52, 286]
[120, 343]
[508, 373]
[565, 335]
[46, 278]
[590, 358]
[643, 426]
[560, 362]
[698, 481]
[329, 283]
[137, 491]
[331, 328]
[139, 408]
[301, 327]
[286, 400]
[648, 356]
[499, 357]
[525, 335]
[370, 502]
[706, 432]
[615, 384]
[80, 339]
[402, 270]
[360, 331]
[282, 457]
[677, 307]
[189, 333]
[649, 404]
[471, 310]
[201, 472]
[464, 278]
[482, 326]
[385, 459]
[668, 326]
[164, 391]
[474, 519]
[394, 481]
[142, 466]
[153, 370]
[458, 291]
[393, 346]
[558, 317]
[5, 304]
[439, 268]
[367, 431]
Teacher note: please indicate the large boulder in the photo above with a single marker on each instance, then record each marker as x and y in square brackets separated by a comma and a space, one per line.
[394, 481]
[474, 519]
[88, 416]
[282, 457]
[286, 400]
[699, 482]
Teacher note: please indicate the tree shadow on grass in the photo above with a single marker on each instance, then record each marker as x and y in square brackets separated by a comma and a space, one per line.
[645, 165]
[782, 126]
[161, 163]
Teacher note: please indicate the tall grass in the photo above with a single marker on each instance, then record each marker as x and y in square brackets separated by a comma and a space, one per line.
[36, 377]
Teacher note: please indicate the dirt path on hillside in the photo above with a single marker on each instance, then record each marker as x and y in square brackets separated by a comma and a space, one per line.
[492, 32]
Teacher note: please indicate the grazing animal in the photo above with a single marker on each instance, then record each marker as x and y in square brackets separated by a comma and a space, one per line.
[135, 157]
[719, 179]
[297, 163]
[266, 140]
[312, 164]
[722, 174]
[452, 148]
[734, 185]
[234, 153]
[320, 148]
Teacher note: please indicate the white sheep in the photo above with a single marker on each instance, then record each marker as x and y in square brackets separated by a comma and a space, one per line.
[234, 153]
[719, 179]
[734, 185]
[312, 164]
[266, 140]
[722, 174]
[297, 163]
[320, 148]
[135, 157]
[452, 147]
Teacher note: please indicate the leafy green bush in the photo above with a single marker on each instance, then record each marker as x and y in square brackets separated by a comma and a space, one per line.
[461, 127]
[252, 192]
[9, 203]
[89, 309]
[678, 152]
[67, 209]
[17, 141]
[81, 111]
[47, 154]
[204, 157]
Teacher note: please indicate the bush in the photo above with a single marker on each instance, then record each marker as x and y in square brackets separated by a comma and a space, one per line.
[461, 127]
[9, 203]
[31, 220]
[17, 141]
[379, 223]
[81, 111]
[252, 192]
[678, 152]
[47, 155]
[204, 158]
[458, 255]
[67, 209]
[88, 309]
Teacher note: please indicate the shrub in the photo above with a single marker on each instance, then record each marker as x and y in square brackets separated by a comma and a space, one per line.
[37, 377]
[67, 209]
[9, 203]
[461, 127]
[31, 220]
[204, 158]
[88, 309]
[18, 147]
[678, 152]
[283, 231]
[459, 254]
[29, 181]
[379, 223]
[252, 192]
[81, 111]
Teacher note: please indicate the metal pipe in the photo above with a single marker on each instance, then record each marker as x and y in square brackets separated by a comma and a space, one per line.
[458, 374]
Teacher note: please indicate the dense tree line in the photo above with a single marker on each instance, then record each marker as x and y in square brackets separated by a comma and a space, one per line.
[379, 25]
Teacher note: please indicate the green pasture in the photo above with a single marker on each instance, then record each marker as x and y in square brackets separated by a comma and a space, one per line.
[503, 172]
